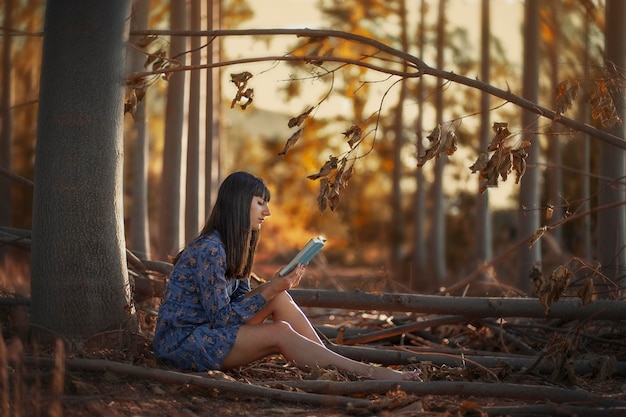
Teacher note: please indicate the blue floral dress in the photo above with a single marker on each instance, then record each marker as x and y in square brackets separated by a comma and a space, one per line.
[202, 309]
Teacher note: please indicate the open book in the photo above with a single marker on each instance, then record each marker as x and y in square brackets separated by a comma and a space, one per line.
[307, 253]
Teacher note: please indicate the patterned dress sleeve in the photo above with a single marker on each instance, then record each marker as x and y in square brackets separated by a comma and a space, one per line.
[222, 309]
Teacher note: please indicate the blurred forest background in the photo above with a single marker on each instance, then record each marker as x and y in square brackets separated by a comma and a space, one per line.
[409, 227]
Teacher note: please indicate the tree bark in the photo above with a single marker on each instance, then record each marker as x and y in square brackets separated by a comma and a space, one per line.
[438, 214]
[484, 251]
[78, 171]
[529, 198]
[611, 233]
[139, 234]
[194, 206]
[7, 119]
[213, 114]
[472, 307]
[175, 130]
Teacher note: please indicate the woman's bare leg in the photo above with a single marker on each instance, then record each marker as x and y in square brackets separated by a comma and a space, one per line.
[259, 340]
[283, 308]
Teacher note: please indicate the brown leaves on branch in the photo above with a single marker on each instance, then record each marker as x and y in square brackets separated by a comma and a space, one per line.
[508, 156]
[566, 93]
[336, 172]
[612, 83]
[331, 185]
[156, 61]
[439, 145]
[244, 95]
[295, 121]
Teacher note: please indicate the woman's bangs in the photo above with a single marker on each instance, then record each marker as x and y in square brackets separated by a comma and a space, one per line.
[261, 190]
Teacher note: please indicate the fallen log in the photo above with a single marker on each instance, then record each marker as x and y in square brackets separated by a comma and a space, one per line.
[461, 388]
[400, 356]
[471, 307]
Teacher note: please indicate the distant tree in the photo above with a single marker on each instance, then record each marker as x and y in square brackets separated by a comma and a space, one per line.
[79, 280]
[529, 199]
[419, 212]
[397, 224]
[6, 134]
[139, 233]
[194, 195]
[611, 228]
[214, 104]
[175, 133]
[483, 213]
[438, 215]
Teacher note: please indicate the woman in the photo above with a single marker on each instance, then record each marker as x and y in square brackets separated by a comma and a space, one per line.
[211, 319]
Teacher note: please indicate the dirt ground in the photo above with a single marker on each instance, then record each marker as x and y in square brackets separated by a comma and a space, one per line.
[132, 384]
[110, 391]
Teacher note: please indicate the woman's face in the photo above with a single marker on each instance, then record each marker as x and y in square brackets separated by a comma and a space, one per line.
[259, 210]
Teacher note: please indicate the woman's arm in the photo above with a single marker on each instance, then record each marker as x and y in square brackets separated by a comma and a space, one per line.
[213, 285]
[278, 284]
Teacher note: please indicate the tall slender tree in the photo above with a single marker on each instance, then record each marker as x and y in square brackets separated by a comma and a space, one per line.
[175, 131]
[419, 222]
[6, 134]
[79, 280]
[529, 202]
[213, 113]
[552, 27]
[439, 206]
[397, 238]
[139, 235]
[197, 133]
[612, 222]
[483, 214]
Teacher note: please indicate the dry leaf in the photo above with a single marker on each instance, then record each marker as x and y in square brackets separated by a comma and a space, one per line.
[291, 141]
[354, 135]
[326, 169]
[566, 93]
[297, 121]
[537, 235]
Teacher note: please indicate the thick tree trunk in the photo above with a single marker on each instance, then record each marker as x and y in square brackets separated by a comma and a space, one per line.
[78, 171]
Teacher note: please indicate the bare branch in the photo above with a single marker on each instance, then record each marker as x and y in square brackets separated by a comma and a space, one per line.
[413, 61]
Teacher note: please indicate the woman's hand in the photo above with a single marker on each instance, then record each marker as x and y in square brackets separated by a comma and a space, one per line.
[279, 284]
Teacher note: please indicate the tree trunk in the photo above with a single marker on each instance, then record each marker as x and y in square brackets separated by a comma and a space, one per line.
[555, 178]
[530, 184]
[197, 133]
[611, 223]
[214, 100]
[175, 130]
[397, 224]
[139, 234]
[439, 206]
[7, 118]
[483, 214]
[419, 222]
[470, 307]
[78, 171]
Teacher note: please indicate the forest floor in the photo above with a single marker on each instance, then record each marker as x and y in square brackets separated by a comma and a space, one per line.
[127, 381]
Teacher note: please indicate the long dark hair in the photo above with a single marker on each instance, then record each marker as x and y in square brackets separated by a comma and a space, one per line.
[230, 217]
